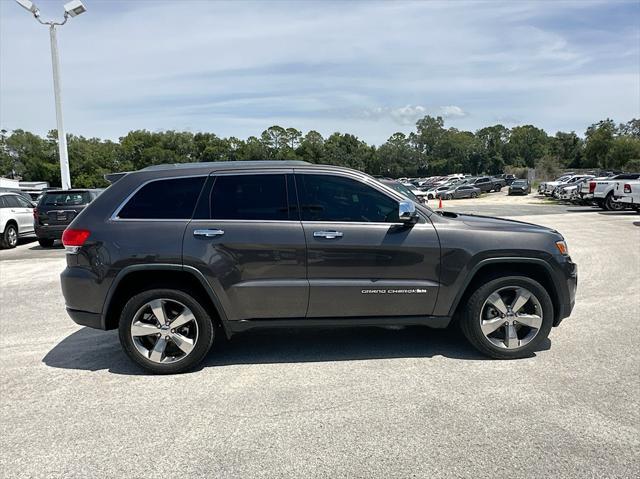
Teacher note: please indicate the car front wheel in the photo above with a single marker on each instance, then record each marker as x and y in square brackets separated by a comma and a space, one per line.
[165, 331]
[508, 317]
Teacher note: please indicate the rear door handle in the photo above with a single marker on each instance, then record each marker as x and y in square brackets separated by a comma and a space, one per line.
[207, 233]
[327, 234]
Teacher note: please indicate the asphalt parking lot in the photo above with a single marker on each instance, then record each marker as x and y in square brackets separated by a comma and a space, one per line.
[372, 402]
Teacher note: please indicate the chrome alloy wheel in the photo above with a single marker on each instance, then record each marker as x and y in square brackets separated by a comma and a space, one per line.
[511, 317]
[12, 237]
[164, 331]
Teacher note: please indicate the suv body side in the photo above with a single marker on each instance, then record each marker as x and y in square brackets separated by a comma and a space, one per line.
[16, 209]
[300, 267]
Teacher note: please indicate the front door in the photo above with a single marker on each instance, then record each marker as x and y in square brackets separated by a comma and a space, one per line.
[247, 240]
[363, 262]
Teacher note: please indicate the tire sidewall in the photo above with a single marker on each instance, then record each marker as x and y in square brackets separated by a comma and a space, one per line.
[205, 330]
[471, 323]
[5, 237]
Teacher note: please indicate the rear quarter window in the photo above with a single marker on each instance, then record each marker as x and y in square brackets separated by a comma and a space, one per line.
[173, 198]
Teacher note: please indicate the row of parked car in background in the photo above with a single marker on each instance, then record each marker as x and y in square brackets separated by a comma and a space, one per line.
[612, 192]
[456, 186]
[46, 217]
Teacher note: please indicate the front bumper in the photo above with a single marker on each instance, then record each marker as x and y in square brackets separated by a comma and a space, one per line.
[566, 288]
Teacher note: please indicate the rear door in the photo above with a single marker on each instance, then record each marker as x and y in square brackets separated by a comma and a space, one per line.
[246, 238]
[463, 192]
[24, 213]
[362, 262]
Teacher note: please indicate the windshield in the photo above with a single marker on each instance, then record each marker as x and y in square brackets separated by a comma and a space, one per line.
[400, 188]
[69, 198]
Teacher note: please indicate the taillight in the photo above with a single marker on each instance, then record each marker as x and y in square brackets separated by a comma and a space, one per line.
[35, 214]
[73, 239]
[627, 188]
[592, 186]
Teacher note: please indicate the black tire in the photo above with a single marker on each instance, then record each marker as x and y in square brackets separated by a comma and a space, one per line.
[204, 338]
[447, 197]
[611, 205]
[45, 242]
[470, 319]
[498, 188]
[474, 195]
[9, 239]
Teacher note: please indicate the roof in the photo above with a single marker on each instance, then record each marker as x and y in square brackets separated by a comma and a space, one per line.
[224, 165]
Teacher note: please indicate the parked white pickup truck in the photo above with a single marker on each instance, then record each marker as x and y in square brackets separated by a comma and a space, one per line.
[600, 191]
[628, 194]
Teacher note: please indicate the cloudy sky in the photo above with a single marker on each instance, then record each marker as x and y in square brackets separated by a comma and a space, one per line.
[363, 67]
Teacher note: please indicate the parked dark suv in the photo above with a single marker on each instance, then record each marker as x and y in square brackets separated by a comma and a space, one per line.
[55, 211]
[172, 255]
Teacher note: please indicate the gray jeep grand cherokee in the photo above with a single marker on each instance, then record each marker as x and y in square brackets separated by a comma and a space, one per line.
[173, 254]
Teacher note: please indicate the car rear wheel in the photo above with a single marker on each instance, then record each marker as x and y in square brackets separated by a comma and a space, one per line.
[508, 317]
[45, 242]
[474, 195]
[9, 238]
[165, 331]
[611, 205]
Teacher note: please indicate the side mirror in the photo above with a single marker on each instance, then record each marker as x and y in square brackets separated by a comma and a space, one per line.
[407, 212]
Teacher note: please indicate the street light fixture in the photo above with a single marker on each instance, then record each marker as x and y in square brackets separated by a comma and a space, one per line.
[71, 9]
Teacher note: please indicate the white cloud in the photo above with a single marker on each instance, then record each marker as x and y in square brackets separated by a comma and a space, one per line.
[452, 111]
[235, 68]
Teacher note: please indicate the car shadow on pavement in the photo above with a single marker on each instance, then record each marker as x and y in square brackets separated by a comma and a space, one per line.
[93, 350]
[37, 247]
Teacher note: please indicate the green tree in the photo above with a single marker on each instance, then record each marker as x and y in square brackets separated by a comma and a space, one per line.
[599, 140]
[624, 149]
[396, 157]
[526, 145]
[311, 147]
[568, 148]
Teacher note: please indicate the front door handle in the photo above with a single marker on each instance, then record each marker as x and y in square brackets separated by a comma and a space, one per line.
[207, 233]
[327, 234]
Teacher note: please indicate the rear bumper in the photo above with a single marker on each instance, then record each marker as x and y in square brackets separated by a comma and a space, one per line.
[50, 232]
[84, 296]
[623, 199]
[85, 318]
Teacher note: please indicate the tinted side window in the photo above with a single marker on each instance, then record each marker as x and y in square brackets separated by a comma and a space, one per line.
[164, 199]
[3, 204]
[336, 198]
[23, 202]
[250, 197]
[12, 201]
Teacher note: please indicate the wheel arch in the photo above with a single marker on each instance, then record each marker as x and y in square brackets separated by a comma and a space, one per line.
[10, 222]
[492, 268]
[137, 278]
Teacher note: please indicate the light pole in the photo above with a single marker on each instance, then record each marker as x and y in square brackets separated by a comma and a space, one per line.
[71, 9]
